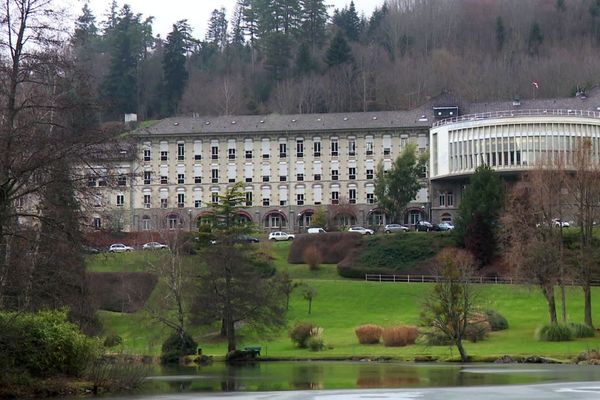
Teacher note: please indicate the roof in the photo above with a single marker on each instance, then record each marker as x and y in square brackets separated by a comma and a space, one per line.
[273, 123]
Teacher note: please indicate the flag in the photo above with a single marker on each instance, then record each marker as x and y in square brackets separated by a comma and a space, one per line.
[535, 84]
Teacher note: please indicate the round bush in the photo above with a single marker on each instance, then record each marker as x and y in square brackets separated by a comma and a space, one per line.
[368, 334]
[496, 320]
[112, 341]
[554, 333]
[580, 330]
[301, 333]
[176, 347]
[315, 343]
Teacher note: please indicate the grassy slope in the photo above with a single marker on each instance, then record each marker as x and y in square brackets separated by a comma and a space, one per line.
[341, 305]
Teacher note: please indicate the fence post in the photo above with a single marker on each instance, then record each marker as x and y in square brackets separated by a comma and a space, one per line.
[408, 278]
[496, 278]
[394, 278]
[379, 277]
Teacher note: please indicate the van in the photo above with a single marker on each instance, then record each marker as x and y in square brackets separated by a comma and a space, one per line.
[316, 230]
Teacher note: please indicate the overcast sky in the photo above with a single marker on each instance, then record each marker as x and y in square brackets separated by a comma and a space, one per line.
[197, 12]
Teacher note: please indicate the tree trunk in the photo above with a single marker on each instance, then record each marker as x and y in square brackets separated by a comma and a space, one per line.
[462, 351]
[587, 294]
[549, 294]
[230, 335]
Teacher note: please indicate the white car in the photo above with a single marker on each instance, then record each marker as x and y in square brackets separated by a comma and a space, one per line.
[392, 228]
[281, 236]
[119, 248]
[559, 223]
[154, 246]
[361, 230]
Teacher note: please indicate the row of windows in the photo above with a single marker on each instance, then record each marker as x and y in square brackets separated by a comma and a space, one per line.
[300, 149]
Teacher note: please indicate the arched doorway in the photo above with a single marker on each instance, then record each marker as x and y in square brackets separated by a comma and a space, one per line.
[414, 215]
[205, 218]
[446, 217]
[344, 219]
[173, 221]
[275, 220]
[243, 217]
[305, 218]
[377, 217]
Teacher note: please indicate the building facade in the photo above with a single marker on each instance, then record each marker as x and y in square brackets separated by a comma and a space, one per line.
[289, 165]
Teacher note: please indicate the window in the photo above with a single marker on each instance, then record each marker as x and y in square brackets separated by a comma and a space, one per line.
[248, 148]
[317, 177]
[197, 150]
[164, 203]
[387, 144]
[164, 155]
[265, 202]
[248, 199]
[299, 147]
[214, 152]
[146, 223]
[334, 146]
[266, 148]
[450, 199]
[370, 198]
[334, 175]
[181, 151]
[147, 201]
[300, 177]
[147, 155]
[173, 221]
[180, 178]
[423, 173]
[214, 198]
[97, 223]
[317, 149]
[442, 199]
[369, 174]
[300, 199]
[91, 181]
[351, 146]
[180, 200]
[265, 178]
[231, 154]
[335, 197]
[369, 145]
[282, 150]
[265, 172]
[102, 182]
[248, 172]
[197, 203]
[120, 200]
[147, 177]
[164, 180]
[214, 173]
[352, 173]
[352, 196]
[248, 153]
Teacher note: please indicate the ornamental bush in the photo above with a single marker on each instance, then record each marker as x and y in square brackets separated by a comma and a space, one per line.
[554, 333]
[580, 330]
[301, 333]
[368, 334]
[399, 335]
[44, 344]
[496, 320]
[176, 347]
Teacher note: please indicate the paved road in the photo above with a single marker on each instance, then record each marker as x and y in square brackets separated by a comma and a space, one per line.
[571, 391]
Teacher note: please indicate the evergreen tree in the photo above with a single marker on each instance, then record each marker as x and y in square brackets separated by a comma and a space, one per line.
[374, 25]
[217, 29]
[85, 28]
[348, 21]
[237, 24]
[500, 33]
[174, 66]
[305, 64]
[535, 40]
[313, 20]
[277, 54]
[339, 51]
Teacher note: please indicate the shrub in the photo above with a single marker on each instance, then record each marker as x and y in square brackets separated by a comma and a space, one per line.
[333, 246]
[477, 331]
[176, 347]
[368, 334]
[580, 330]
[496, 320]
[399, 336]
[301, 333]
[434, 337]
[112, 341]
[312, 257]
[554, 333]
[315, 343]
[44, 344]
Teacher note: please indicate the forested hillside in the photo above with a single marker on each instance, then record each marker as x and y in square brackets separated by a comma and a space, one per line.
[300, 56]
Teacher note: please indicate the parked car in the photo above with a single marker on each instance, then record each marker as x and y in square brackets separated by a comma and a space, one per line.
[393, 228]
[424, 226]
[316, 230]
[361, 230]
[444, 226]
[281, 236]
[248, 239]
[89, 249]
[154, 246]
[119, 248]
[560, 223]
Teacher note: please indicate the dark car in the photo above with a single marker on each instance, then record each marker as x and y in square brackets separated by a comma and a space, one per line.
[248, 239]
[424, 226]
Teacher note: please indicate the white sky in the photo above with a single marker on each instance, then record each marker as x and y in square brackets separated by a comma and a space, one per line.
[197, 12]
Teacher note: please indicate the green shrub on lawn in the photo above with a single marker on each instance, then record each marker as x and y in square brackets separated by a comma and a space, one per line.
[580, 330]
[176, 347]
[315, 343]
[301, 333]
[554, 333]
[496, 320]
[44, 344]
[112, 341]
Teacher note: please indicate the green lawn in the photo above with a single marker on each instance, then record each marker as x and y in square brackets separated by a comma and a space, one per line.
[341, 304]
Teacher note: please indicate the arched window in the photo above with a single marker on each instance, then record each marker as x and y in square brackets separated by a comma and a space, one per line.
[275, 220]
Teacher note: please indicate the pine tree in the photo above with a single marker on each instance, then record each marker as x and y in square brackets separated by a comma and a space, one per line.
[313, 22]
[339, 51]
[500, 33]
[85, 28]
[348, 21]
[536, 38]
[174, 66]
[304, 61]
[217, 29]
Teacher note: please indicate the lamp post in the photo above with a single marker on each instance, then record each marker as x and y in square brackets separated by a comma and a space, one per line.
[190, 218]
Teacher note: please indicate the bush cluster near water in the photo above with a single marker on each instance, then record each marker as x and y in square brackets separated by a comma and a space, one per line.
[564, 332]
[43, 344]
[176, 347]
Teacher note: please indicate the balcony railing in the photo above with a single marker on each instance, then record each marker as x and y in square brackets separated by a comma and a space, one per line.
[519, 113]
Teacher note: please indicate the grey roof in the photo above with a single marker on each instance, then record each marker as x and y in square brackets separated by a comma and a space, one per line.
[290, 123]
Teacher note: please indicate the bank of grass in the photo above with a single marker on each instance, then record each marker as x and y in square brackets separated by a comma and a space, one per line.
[342, 304]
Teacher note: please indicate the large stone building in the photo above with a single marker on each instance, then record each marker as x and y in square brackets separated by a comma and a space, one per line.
[290, 165]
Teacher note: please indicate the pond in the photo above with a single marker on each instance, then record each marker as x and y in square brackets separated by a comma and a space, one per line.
[321, 375]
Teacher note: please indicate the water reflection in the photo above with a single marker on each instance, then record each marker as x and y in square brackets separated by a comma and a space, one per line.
[278, 376]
